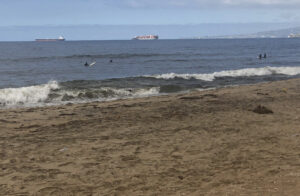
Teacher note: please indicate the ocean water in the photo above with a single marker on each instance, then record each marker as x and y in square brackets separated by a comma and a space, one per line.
[51, 73]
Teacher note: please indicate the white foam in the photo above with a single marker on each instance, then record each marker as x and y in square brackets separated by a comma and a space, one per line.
[118, 92]
[30, 95]
[128, 92]
[147, 92]
[291, 71]
[112, 94]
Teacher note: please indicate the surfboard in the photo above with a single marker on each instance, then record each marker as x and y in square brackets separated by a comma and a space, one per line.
[91, 64]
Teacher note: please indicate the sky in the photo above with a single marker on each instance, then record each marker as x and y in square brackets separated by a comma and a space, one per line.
[146, 12]
[116, 12]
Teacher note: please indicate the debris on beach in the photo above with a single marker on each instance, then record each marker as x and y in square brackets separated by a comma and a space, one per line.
[262, 110]
[63, 149]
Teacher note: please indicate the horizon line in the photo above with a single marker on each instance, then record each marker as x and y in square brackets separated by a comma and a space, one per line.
[188, 24]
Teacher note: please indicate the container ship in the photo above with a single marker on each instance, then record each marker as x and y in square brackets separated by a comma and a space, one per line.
[60, 38]
[146, 37]
[294, 35]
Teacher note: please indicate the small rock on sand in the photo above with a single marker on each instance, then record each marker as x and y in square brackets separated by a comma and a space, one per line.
[262, 110]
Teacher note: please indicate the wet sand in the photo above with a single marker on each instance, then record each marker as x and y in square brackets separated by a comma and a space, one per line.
[200, 143]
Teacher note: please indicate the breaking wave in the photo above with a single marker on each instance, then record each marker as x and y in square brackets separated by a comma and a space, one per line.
[290, 71]
[54, 93]
[81, 91]
[100, 94]
[27, 95]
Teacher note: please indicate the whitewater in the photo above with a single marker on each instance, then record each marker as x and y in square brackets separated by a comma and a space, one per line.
[248, 72]
[55, 93]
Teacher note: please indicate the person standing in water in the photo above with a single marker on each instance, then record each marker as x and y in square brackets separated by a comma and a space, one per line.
[265, 56]
[260, 56]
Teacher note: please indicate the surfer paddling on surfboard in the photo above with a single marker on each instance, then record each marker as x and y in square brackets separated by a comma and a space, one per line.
[89, 65]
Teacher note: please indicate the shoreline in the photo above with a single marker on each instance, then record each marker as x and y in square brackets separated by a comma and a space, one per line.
[76, 91]
[210, 142]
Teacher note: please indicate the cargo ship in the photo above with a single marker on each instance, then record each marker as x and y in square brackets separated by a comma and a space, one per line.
[146, 37]
[294, 35]
[60, 38]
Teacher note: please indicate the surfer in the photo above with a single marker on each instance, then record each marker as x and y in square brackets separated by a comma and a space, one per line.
[90, 64]
[110, 60]
[265, 56]
[260, 56]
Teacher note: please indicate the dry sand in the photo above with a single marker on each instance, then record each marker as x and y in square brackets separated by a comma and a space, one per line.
[201, 143]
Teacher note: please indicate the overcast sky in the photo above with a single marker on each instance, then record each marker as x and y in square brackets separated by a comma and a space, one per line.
[74, 12]
[122, 19]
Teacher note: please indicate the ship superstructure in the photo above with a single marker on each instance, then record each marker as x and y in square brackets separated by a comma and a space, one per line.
[146, 37]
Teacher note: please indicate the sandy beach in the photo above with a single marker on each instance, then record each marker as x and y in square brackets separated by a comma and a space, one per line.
[242, 140]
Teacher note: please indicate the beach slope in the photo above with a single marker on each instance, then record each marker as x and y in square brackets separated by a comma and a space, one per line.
[241, 140]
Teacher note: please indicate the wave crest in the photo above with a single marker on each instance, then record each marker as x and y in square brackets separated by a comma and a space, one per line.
[291, 71]
[27, 95]
[103, 93]
[53, 93]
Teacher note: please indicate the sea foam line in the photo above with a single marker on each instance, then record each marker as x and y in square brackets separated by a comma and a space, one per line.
[291, 71]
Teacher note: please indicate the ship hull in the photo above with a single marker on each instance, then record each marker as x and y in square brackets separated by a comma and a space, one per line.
[144, 39]
[49, 40]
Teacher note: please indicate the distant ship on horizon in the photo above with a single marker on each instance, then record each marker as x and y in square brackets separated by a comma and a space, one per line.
[146, 37]
[292, 35]
[60, 38]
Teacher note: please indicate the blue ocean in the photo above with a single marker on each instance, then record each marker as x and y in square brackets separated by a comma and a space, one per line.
[53, 73]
